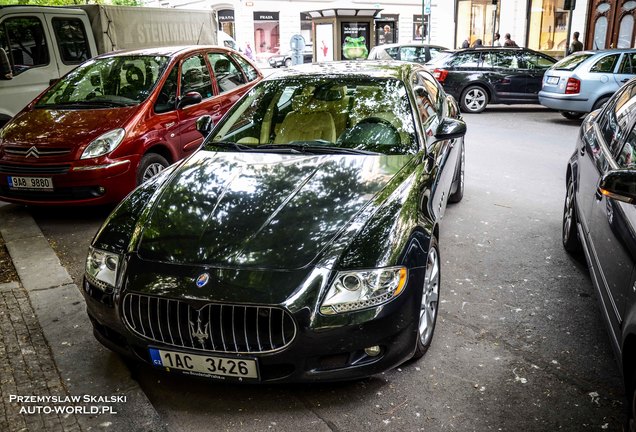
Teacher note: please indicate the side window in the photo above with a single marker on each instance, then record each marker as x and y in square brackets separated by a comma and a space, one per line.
[27, 46]
[628, 65]
[468, 59]
[627, 156]
[195, 77]
[432, 86]
[228, 76]
[249, 70]
[424, 100]
[167, 99]
[71, 40]
[392, 52]
[506, 59]
[416, 54]
[606, 64]
[434, 51]
[618, 118]
[530, 60]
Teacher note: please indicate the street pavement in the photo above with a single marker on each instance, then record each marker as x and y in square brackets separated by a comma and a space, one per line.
[519, 345]
[48, 350]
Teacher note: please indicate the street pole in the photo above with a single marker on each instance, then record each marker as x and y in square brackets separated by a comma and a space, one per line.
[571, 5]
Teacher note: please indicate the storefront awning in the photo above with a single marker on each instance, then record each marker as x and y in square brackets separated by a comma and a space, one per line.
[329, 13]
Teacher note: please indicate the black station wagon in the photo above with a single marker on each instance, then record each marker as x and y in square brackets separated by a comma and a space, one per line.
[300, 243]
[599, 218]
[479, 76]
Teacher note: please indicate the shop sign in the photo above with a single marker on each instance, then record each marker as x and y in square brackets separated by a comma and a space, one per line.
[265, 16]
[226, 15]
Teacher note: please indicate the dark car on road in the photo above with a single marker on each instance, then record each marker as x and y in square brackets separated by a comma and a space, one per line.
[277, 61]
[477, 77]
[600, 218]
[300, 243]
[115, 121]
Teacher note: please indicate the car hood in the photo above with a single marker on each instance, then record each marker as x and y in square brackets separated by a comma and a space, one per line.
[260, 210]
[64, 128]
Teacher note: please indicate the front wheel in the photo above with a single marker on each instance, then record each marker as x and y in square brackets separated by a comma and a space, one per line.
[570, 236]
[474, 99]
[288, 62]
[599, 103]
[151, 165]
[430, 301]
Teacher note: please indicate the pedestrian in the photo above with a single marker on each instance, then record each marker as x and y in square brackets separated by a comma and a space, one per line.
[509, 42]
[576, 45]
[496, 42]
[5, 66]
[478, 44]
[466, 43]
[248, 51]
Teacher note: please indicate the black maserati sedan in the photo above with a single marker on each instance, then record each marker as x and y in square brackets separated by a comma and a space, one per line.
[599, 218]
[300, 243]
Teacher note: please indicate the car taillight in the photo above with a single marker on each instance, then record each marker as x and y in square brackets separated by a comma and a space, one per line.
[573, 86]
[440, 74]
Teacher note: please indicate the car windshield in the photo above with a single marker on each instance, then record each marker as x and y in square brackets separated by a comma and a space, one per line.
[108, 82]
[571, 62]
[322, 114]
[439, 58]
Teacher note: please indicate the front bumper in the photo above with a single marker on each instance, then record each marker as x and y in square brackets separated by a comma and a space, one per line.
[565, 102]
[74, 183]
[276, 61]
[324, 348]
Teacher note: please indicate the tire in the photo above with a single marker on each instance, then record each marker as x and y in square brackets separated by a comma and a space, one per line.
[570, 235]
[572, 115]
[600, 102]
[151, 165]
[474, 99]
[288, 62]
[457, 196]
[430, 301]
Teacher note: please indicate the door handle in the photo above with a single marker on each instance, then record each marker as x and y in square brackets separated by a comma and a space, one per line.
[215, 108]
[625, 80]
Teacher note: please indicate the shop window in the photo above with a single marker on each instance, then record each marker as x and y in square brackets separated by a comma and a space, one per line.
[476, 19]
[600, 33]
[548, 26]
[625, 33]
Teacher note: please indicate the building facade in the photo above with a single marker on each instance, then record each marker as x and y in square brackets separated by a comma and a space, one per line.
[268, 25]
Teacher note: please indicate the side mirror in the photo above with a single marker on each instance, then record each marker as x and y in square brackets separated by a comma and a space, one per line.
[619, 185]
[450, 128]
[190, 98]
[205, 125]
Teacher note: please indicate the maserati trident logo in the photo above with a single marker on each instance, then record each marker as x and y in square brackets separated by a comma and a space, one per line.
[202, 280]
[32, 152]
[197, 332]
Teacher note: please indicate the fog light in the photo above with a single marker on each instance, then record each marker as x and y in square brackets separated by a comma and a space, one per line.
[372, 351]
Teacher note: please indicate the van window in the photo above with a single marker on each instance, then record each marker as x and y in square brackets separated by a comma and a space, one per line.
[71, 40]
[26, 43]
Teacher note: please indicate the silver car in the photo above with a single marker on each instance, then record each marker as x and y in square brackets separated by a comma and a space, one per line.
[584, 81]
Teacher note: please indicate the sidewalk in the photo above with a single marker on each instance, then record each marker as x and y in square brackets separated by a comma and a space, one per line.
[54, 376]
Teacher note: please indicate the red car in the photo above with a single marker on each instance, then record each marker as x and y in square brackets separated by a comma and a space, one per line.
[115, 121]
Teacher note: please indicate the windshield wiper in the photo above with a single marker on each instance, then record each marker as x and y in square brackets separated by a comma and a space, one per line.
[230, 145]
[316, 149]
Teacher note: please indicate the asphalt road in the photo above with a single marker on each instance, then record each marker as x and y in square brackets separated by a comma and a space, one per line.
[519, 344]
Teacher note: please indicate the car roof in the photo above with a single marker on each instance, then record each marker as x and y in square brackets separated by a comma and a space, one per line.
[165, 51]
[369, 68]
[606, 51]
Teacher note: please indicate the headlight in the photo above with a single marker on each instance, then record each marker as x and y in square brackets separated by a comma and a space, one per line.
[102, 268]
[354, 290]
[105, 143]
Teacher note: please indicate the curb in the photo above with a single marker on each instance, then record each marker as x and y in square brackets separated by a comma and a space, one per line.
[86, 367]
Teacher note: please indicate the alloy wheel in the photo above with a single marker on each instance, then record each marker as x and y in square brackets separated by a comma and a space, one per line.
[569, 212]
[475, 99]
[430, 296]
[152, 170]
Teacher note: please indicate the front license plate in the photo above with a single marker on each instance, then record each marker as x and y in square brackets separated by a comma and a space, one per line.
[552, 80]
[206, 366]
[30, 183]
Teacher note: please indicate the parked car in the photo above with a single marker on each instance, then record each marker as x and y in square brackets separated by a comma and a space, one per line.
[584, 81]
[116, 121]
[479, 76]
[599, 218]
[300, 243]
[420, 53]
[277, 61]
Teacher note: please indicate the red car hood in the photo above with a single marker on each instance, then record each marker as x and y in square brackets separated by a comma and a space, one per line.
[64, 128]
